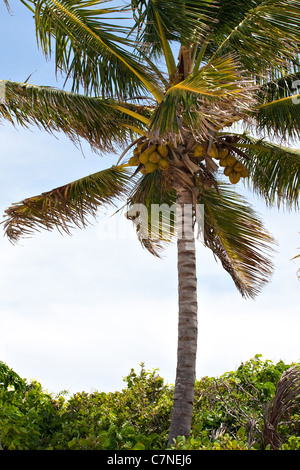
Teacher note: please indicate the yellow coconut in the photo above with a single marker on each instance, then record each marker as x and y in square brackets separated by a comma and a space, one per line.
[227, 170]
[150, 149]
[200, 150]
[150, 167]
[143, 170]
[154, 157]
[230, 160]
[163, 164]
[223, 153]
[213, 152]
[163, 150]
[134, 161]
[139, 147]
[144, 158]
[244, 173]
[234, 177]
[223, 163]
[239, 166]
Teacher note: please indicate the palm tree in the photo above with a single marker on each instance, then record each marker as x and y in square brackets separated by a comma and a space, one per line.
[197, 94]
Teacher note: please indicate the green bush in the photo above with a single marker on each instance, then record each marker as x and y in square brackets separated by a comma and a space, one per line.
[229, 413]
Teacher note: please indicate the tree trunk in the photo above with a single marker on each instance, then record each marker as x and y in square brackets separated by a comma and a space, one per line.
[187, 320]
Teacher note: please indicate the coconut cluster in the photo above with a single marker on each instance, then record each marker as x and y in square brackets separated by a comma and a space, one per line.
[233, 168]
[150, 157]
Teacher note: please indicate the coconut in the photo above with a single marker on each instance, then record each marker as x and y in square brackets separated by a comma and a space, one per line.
[238, 166]
[223, 162]
[213, 152]
[230, 160]
[163, 150]
[134, 161]
[150, 167]
[200, 150]
[154, 157]
[245, 172]
[223, 153]
[163, 164]
[139, 147]
[150, 149]
[227, 170]
[234, 177]
[144, 158]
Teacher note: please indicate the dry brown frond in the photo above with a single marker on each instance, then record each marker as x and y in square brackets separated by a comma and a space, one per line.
[287, 397]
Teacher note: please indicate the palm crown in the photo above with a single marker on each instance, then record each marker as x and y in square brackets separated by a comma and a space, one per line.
[196, 93]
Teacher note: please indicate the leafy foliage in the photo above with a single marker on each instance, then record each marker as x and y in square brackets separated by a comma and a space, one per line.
[229, 413]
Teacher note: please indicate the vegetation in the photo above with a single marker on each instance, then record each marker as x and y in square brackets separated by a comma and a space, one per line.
[196, 94]
[230, 412]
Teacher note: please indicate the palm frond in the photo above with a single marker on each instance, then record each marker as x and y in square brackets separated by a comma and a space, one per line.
[298, 272]
[151, 207]
[285, 401]
[279, 118]
[216, 94]
[68, 206]
[282, 86]
[274, 171]
[7, 6]
[90, 49]
[264, 34]
[103, 123]
[176, 21]
[237, 238]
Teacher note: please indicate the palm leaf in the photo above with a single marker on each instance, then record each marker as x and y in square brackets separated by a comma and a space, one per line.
[298, 272]
[280, 87]
[231, 229]
[68, 206]
[237, 238]
[264, 34]
[274, 170]
[159, 23]
[216, 94]
[103, 123]
[151, 207]
[279, 118]
[89, 48]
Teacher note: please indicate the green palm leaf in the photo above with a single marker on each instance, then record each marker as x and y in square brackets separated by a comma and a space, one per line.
[264, 34]
[274, 170]
[280, 117]
[68, 206]
[280, 87]
[159, 23]
[216, 94]
[237, 238]
[89, 48]
[103, 123]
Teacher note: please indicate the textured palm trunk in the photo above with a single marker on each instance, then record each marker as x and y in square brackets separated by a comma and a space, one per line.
[187, 320]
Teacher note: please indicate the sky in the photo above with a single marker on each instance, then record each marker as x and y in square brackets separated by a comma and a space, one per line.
[78, 312]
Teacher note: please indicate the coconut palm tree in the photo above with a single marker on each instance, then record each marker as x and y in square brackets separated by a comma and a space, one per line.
[197, 94]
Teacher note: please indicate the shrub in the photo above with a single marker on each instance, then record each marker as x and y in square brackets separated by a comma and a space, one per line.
[230, 412]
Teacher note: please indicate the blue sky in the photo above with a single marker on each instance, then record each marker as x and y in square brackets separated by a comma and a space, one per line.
[77, 313]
